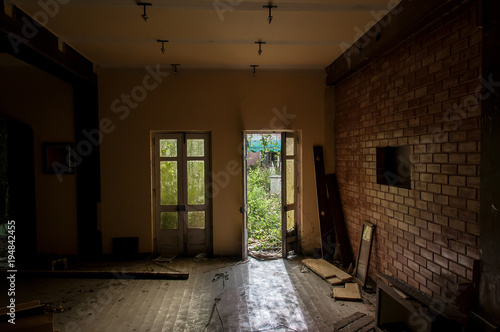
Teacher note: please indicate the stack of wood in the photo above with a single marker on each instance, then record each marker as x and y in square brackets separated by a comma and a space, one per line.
[29, 316]
[335, 276]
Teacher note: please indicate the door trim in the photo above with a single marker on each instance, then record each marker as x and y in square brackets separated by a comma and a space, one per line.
[155, 198]
[298, 184]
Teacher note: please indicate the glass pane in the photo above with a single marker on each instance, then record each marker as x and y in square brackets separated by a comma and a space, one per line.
[168, 148]
[290, 146]
[169, 220]
[290, 181]
[196, 219]
[196, 182]
[168, 180]
[290, 221]
[196, 147]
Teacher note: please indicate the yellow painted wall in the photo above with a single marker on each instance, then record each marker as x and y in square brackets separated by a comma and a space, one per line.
[222, 102]
[46, 104]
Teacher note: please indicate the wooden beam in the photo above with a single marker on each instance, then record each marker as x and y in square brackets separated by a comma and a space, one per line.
[398, 24]
[88, 171]
[104, 275]
[26, 39]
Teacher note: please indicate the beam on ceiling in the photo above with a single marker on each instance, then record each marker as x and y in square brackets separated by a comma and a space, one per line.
[24, 38]
[398, 24]
[233, 5]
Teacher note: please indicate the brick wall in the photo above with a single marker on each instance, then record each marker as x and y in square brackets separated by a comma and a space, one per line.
[423, 93]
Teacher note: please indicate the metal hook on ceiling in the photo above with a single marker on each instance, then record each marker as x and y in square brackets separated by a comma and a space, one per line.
[260, 46]
[270, 17]
[144, 5]
[162, 41]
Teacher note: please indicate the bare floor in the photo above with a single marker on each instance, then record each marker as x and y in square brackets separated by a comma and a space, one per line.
[277, 295]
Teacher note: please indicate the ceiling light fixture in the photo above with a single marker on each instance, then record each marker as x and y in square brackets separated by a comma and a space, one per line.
[270, 17]
[162, 41]
[144, 4]
[175, 67]
[260, 46]
[254, 66]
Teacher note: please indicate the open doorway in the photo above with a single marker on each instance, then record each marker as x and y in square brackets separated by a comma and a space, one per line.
[270, 183]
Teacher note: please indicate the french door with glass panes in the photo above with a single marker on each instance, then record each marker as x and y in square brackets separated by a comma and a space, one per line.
[181, 192]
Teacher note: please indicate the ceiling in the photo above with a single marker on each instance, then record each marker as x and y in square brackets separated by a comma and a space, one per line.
[209, 33]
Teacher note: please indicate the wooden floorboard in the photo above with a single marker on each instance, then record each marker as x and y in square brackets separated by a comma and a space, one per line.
[310, 310]
[258, 296]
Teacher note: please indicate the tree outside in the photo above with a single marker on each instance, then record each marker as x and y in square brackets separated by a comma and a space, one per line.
[264, 205]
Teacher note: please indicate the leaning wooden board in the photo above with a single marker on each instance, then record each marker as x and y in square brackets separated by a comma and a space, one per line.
[338, 219]
[326, 270]
[327, 227]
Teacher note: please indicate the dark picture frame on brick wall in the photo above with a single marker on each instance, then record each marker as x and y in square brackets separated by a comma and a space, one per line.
[58, 158]
[364, 253]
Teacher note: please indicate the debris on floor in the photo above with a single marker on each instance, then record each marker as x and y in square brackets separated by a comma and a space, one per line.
[29, 316]
[50, 307]
[200, 257]
[327, 271]
[265, 254]
[350, 292]
[163, 259]
[357, 322]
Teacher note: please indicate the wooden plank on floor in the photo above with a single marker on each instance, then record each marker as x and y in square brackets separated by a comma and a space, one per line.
[37, 323]
[350, 292]
[325, 269]
[359, 324]
[368, 328]
[104, 275]
[327, 227]
[334, 281]
[348, 320]
[338, 220]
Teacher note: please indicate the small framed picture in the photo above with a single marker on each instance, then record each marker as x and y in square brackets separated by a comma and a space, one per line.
[58, 158]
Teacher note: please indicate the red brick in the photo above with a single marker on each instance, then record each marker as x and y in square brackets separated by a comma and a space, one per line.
[449, 190]
[433, 267]
[457, 180]
[466, 261]
[449, 169]
[451, 255]
[458, 269]
[434, 248]
[467, 146]
[457, 158]
[473, 253]
[467, 169]
[427, 197]
[443, 262]
[468, 193]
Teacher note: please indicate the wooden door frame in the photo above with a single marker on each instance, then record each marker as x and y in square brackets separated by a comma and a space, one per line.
[208, 188]
[298, 186]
